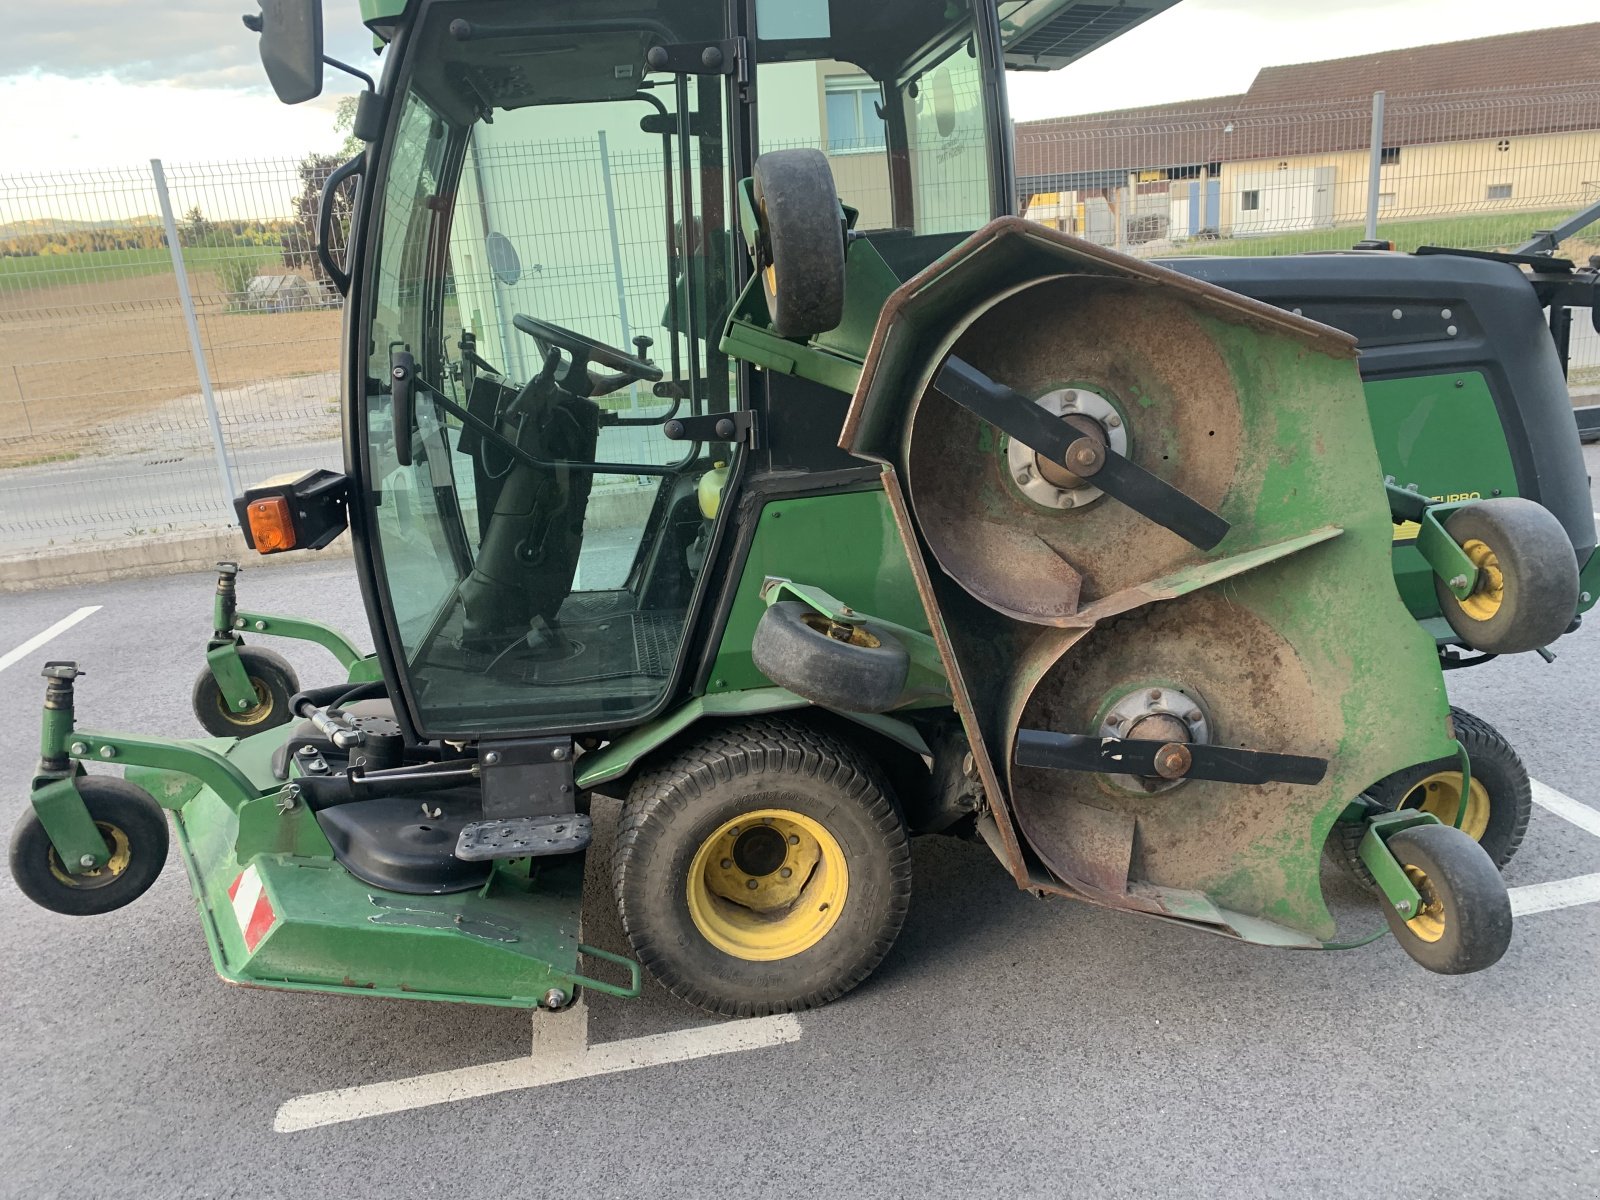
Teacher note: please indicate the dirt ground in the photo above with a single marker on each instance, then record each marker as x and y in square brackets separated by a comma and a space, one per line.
[82, 359]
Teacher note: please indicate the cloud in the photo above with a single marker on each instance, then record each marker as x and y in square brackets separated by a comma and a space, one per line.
[199, 43]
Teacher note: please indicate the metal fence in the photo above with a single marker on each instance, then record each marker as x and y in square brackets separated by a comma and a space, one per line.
[126, 408]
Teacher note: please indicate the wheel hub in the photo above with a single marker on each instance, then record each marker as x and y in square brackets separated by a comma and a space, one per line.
[1051, 484]
[1158, 714]
[767, 885]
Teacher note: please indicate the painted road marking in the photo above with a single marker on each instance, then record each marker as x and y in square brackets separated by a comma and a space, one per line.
[561, 1052]
[39, 639]
[1559, 893]
[1568, 809]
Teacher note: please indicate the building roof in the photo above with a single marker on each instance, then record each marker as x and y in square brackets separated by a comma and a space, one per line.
[1541, 81]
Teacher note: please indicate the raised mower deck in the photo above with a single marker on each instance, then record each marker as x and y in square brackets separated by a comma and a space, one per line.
[280, 912]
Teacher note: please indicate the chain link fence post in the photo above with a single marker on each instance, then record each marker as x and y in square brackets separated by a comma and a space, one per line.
[186, 301]
[1375, 166]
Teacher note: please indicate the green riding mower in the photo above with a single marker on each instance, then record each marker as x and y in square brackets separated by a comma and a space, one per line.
[920, 519]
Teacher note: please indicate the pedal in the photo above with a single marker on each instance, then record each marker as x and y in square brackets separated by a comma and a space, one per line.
[524, 837]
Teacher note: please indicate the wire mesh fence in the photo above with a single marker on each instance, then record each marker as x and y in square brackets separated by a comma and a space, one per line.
[104, 414]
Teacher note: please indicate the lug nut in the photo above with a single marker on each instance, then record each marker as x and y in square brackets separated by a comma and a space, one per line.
[752, 884]
[727, 864]
[785, 873]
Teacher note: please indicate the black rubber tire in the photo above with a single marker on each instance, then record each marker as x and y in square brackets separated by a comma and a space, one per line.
[846, 676]
[680, 801]
[274, 679]
[801, 245]
[1538, 567]
[113, 803]
[1495, 764]
[1475, 906]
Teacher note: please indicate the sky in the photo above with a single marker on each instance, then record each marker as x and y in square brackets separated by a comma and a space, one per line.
[113, 83]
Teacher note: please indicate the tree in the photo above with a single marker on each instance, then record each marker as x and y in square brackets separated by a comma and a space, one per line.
[344, 120]
[195, 227]
[300, 239]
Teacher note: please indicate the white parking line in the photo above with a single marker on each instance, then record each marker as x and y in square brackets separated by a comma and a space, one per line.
[1558, 893]
[1568, 809]
[561, 1051]
[39, 639]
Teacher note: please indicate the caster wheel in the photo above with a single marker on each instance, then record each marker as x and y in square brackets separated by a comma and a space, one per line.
[274, 681]
[1465, 921]
[849, 667]
[135, 832]
[763, 869]
[801, 255]
[1527, 591]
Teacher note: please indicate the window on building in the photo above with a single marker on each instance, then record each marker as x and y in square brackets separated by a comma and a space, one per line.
[1249, 201]
[1499, 191]
[1389, 156]
[1385, 199]
[853, 120]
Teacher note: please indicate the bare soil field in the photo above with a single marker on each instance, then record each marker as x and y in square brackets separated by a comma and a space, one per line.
[81, 360]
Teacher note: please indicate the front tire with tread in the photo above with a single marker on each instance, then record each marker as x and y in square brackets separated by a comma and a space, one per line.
[766, 763]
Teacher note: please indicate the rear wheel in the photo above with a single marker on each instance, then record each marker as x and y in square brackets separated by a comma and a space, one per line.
[274, 682]
[1499, 797]
[1464, 924]
[763, 869]
[135, 832]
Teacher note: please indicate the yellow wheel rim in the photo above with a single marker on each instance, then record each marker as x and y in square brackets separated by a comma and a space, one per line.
[1428, 924]
[254, 715]
[1490, 593]
[840, 631]
[1440, 795]
[120, 852]
[767, 885]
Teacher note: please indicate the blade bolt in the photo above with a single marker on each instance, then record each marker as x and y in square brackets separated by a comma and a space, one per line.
[1173, 760]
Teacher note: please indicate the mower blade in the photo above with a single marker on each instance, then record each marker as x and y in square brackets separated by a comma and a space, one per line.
[1119, 756]
[1020, 418]
[1154, 498]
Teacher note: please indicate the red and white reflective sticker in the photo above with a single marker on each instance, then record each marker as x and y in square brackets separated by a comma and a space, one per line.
[251, 908]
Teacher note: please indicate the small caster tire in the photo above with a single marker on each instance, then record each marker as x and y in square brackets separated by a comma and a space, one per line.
[274, 681]
[1527, 592]
[800, 255]
[764, 868]
[1465, 921]
[135, 832]
[850, 667]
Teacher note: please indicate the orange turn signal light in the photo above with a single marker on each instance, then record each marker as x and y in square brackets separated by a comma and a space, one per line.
[271, 526]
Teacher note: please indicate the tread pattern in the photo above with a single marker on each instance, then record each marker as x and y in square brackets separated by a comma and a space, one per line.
[744, 749]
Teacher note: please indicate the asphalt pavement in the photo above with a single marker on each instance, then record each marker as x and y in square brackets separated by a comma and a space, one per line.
[1008, 1046]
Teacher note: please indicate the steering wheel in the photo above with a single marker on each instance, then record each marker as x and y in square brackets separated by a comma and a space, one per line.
[585, 350]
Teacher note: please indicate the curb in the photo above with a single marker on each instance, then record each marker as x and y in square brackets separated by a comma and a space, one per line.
[166, 554]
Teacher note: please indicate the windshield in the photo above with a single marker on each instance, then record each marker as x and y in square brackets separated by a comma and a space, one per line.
[553, 257]
[893, 95]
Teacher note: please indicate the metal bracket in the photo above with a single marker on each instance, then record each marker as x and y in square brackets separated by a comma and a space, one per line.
[1163, 760]
[1386, 870]
[1441, 551]
[524, 837]
[531, 777]
[736, 426]
[697, 58]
